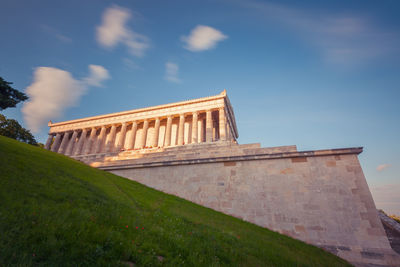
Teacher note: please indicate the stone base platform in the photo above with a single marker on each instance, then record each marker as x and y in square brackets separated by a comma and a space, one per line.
[174, 155]
[320, 197]
[191, 151]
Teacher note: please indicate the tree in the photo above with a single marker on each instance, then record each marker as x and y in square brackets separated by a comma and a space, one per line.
[9, 97]
[11, 128]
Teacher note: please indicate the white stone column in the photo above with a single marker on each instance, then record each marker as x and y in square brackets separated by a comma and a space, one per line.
[194, 127]
[222, 124]
[81, 143]
[121, 139]
[187, 132]
[100, 140]
[71, 143]
[111, 140]
[90, 144]
[181, 129]
[200, 124]
[48, 142]
[156, 132]
[132, 141]
[64, 143]
[168, 131]
[209, 126]
[56, 143]
[215, 134]
[144, 133]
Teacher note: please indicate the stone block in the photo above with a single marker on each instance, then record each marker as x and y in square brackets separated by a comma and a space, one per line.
[299, 228]
[331, 163]
[315, 228]
[309, 206]
[371, 255]
[299, 159]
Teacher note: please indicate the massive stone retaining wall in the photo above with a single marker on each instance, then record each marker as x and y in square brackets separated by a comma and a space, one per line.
[320, 197]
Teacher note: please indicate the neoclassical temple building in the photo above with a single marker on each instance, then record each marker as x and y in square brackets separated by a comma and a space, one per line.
[189, 149]
[208, 119]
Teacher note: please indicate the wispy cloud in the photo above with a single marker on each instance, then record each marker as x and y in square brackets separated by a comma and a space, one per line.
[63, 38]
[203, 38]
[130, 64]
[343, 39]
[381, 167]
[53, 90]
[96, 76]
[171, 72]
[114, 30]
[56, 33]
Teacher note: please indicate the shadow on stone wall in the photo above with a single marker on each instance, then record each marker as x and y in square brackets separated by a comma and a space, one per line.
[392, 229]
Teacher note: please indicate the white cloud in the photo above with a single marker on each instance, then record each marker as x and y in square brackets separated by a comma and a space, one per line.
[203, 38]
[97, 75]
[171, 72]
[137, 44]
[113, 31]
[53, 90]
[382, 167]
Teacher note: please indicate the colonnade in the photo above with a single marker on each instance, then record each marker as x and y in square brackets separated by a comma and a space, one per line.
[201, 126]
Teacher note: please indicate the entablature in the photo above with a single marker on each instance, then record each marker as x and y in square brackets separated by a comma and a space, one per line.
[162, 112]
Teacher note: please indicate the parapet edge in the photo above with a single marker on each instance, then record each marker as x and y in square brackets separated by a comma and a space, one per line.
[261, 156]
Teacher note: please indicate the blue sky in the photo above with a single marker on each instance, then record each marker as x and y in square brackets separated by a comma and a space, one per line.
[311, 73]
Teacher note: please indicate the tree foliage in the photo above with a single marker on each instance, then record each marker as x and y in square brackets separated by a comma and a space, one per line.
[9, 97]
[11, 128]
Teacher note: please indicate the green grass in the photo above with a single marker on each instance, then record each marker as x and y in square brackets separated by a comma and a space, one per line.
[55, 211]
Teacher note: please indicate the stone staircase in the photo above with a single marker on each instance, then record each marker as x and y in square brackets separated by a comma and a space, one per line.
[185, 152]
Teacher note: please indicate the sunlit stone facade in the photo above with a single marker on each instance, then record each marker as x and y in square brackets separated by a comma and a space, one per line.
[204, 120]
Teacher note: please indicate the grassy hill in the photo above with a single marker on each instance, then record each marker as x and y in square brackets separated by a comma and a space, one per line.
[56, 211]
